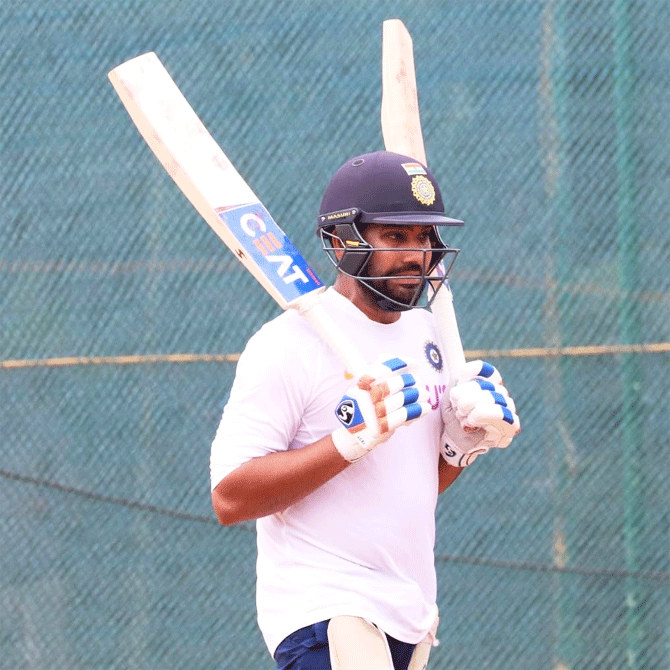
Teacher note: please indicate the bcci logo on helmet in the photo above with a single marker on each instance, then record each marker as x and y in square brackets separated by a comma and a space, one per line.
[423, 190]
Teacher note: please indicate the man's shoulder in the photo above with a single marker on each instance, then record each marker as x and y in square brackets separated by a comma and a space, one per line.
[286, 335]
[292, 322]
[289, 324]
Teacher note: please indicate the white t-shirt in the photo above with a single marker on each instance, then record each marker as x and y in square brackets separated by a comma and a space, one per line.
[363, 543]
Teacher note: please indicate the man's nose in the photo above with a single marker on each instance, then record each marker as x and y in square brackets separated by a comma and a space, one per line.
[417, 254]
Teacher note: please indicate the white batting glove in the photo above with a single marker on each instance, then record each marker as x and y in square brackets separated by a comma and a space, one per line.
[384, 398]
[478, 415]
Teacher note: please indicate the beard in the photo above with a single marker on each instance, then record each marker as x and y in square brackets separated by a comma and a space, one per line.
[402, 288]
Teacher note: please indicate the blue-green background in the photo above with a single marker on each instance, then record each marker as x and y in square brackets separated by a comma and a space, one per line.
[547, 124]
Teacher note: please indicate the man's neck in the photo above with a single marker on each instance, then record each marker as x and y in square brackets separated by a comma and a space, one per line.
[351, 289]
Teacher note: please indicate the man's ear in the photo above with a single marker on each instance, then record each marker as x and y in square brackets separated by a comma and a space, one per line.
[337, 245]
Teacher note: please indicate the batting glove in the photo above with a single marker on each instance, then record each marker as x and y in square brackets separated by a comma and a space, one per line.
[478, 415]
[384, 398]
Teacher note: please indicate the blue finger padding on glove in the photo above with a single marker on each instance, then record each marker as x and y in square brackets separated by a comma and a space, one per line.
[485, 386]
[348, 412]
[411, 395]
[487, 369]
[507, 415]
[408, 380]
[499, 399]
[395, 363]
[413, 411]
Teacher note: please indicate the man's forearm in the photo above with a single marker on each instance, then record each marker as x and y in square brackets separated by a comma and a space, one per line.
[448, 474]
[271, 483]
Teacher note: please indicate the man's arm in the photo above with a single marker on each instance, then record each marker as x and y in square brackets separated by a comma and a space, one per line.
[448, 474]
[269, 484]
[384, 398]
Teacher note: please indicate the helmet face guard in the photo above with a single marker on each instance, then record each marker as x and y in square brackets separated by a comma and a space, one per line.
[350, 253]
[384, 188]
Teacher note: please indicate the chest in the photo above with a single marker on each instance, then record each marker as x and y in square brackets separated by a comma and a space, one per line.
[413, 341]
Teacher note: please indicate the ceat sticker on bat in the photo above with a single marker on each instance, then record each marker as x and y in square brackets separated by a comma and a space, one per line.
[270, 248]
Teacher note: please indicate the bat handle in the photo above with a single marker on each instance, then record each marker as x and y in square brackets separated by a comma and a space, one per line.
[447, 327]
[312, 309]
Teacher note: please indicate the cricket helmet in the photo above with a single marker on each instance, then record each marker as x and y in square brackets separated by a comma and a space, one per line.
[383, 188]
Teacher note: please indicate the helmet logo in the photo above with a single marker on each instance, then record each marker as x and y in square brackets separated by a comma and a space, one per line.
[423, 190]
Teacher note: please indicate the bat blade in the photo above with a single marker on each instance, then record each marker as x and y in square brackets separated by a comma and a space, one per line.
[401, 120]
[205, 175]
[209, 180]
[401, 129]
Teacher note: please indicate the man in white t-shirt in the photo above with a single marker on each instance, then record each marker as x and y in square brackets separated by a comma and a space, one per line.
[343, 474]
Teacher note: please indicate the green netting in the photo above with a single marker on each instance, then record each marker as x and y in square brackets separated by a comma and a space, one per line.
[547, 124]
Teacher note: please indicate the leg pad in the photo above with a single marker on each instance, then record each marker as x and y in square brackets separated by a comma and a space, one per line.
[356, 644]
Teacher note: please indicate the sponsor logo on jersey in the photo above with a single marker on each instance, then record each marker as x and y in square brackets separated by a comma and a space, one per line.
[435, 394]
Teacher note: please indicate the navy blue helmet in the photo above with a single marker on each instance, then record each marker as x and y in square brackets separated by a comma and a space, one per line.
[383, 188]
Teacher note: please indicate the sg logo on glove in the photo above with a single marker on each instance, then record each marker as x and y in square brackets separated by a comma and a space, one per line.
[384, 398]
[349, 413]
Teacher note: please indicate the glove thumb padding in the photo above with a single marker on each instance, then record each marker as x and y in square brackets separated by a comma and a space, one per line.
[459, 447]
[498, 423]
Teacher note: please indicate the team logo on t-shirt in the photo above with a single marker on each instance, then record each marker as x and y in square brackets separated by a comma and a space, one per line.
[433, 355]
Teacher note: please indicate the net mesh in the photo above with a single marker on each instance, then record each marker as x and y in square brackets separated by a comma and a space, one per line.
[548, 126]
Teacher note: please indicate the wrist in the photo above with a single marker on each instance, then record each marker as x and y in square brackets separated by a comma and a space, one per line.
[347, 445]
[460, 459]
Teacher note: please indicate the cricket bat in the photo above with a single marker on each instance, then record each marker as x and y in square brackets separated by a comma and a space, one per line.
[222, 197]
[401, 129]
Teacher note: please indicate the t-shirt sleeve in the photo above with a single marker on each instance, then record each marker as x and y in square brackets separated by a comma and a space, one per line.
[265, 405]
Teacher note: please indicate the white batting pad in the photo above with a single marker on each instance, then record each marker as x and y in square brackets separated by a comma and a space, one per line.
[356, 644]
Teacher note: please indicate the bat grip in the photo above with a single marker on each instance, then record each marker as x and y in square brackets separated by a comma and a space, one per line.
[312, 309]
[443, 309]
